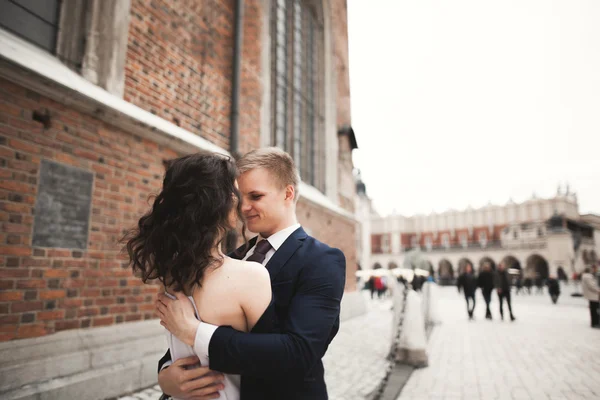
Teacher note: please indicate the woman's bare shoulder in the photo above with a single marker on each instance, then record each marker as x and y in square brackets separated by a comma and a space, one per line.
[248, 270]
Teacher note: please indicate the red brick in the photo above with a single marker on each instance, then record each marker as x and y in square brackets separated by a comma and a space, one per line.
[64, 325]
[16, 228]
[133, 317]
[58, 253]
[24, 146]
[72, 302]
[31, 283]
[103, 321]
[147, 307]
[7, 284]
[52, 294]
[11, 295]
[67, 159]
[88, 312]
[9, 319]
[118, 309]
[31, 330]
[15, 251]
[105, 301]
[56, 273]
[50, 315]
[8, 336]
[26, 306]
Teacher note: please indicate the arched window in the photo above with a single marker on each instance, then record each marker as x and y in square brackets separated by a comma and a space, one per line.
[297, 120]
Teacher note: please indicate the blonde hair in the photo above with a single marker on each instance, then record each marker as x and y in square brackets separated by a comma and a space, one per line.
[279, 163]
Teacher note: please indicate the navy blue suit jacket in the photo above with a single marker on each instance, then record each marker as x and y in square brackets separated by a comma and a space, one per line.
[307, 279]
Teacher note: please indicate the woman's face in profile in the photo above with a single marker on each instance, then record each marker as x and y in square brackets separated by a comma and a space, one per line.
[233, 215]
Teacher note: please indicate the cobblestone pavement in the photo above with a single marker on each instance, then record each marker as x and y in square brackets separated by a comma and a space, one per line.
[550, 352]
[355, 361]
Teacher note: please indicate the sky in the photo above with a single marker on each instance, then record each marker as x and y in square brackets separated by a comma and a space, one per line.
[469, 102]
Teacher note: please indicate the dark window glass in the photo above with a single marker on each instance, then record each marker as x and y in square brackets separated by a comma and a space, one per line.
[297, 119]
[33, 20]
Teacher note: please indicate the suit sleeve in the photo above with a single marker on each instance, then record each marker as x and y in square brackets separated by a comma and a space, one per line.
[165, 361]
[314, 310]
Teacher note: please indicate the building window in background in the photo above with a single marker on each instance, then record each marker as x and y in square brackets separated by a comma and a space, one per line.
[34, 21]
[464, 240]
[446, 240]
[428, 243]
[483, 239]
[385, 246]
[297, 121]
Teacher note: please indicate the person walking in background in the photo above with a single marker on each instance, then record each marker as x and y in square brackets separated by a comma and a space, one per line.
[591, 292]
[485, 281]
[528, 284]
[371, 285]
[553, 288]
[518, 285]
[468, 283]
[502, 283]
[539, 284]
[379, 286]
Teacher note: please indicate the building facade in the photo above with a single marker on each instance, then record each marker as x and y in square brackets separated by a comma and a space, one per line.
[541, 237]
[94, 97]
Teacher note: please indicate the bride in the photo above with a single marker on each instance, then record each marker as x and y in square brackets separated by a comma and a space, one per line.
[179, 242]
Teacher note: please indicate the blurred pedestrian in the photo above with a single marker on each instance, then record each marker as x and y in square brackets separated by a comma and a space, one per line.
[539, 284]
[528, 283]
[468, 283]
[553, 288]
[502, 283]
[485, 281]
[371, 285]
[591, 292]
[518, 284]
[379, 286]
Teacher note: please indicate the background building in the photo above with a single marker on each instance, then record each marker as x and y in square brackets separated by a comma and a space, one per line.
[539, 236]
[94, 97]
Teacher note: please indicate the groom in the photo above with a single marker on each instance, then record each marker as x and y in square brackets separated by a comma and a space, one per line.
[307, 279]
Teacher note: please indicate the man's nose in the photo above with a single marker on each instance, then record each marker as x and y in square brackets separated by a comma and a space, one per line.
[246, 207]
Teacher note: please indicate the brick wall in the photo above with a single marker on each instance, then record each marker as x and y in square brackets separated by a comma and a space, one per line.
[45, 290]
[327, 227]
[179, 65]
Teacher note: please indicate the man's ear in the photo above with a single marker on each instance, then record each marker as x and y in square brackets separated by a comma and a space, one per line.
[290, 193]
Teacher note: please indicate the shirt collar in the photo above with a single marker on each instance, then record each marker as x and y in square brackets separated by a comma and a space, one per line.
[277, 239]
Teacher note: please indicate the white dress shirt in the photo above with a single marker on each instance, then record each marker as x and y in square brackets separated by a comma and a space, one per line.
[205, 331]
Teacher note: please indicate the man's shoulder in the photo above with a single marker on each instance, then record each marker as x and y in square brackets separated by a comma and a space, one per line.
[316, 248]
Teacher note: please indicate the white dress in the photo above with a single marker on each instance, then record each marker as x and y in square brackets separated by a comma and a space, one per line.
[181, 350]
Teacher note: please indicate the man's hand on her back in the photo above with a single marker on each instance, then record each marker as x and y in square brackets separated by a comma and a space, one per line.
[193, 384]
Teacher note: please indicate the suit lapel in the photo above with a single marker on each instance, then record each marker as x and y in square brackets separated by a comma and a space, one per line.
[240, 252]
[283, 254]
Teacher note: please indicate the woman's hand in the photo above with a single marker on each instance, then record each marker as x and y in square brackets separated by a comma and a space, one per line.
[178, 317]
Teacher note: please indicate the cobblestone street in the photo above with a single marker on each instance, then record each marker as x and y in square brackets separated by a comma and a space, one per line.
[549, 352]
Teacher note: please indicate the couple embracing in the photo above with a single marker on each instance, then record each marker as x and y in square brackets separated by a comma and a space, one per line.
[253, 324]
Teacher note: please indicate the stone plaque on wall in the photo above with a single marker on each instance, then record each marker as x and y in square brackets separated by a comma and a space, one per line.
[62, 206]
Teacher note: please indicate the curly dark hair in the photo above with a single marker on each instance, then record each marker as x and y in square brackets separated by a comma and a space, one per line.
[174, 242]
